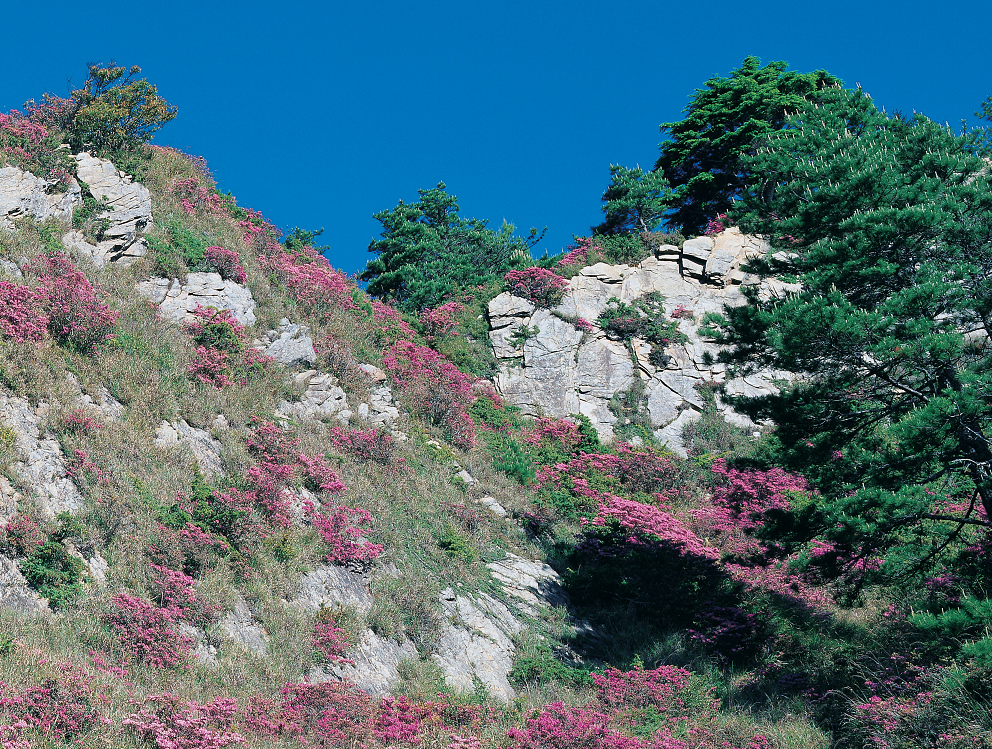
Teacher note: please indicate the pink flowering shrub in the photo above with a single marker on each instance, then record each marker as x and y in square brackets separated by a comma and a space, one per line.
[310, 279]
[79, 422]
[564, 432]
[584, 325]
[330, 641]
[333, 714]
[22, 535]
[196, 198]
[715, 225]
[341, 528]
[226, 262]
[729, 632]
[76, 318]
[148, 632]
[56, 711]
[747, 495]
[389, 324]
[579, 253]
[222, 357]
[368, 445]
[169, 722]
[541, 287]
[21, 315]
[440, 321]
[30, 145]
[173, 590]
[435, 387]
[623, 525]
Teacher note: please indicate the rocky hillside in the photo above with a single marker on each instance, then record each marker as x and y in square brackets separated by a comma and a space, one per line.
[503, 506]
[474, 642]
[561, 369]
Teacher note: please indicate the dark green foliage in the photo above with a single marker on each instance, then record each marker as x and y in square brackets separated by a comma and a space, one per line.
[428, 252]
[644, 318]
[86, 217]
[539, 665]
[635, 201]
[176, 249]
[724, 122]
[511, 458]
[55, 574]
[202, 510]
[889, 226]
[630, 406]
[113, 113]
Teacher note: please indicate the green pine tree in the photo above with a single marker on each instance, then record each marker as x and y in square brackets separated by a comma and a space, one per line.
[428, 252]
[702, 157]
[887, 224]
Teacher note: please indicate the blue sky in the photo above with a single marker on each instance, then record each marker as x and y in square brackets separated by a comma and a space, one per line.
[321, 113]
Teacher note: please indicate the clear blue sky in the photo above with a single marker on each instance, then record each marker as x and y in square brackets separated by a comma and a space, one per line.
[321, 113]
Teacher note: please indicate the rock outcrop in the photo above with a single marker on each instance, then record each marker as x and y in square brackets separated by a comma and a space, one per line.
[289, 344]
[559, 370]
[24, 194]
[205, 448]
[127, 215]
[40, 463]
[178, 300]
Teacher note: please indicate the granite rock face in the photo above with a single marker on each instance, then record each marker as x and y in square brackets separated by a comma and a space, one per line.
[128, 213]
[333, 587]
[205, 448]
[239, 627]
[24, 194]
[177, 300]
[321, 399]
[289, 344]
[475, 642]
[375, 664]
[560, 371]
[15, 595]
[41, 464]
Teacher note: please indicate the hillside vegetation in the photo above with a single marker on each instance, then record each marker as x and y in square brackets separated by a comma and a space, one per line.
[821, 581]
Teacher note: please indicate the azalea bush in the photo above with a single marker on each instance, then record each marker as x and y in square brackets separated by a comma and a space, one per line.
[539, 286]
[30, 145]
[435, 388]
[222, 357]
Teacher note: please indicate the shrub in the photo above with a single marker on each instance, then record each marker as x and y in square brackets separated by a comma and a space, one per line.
[194, 197]
[435, 387]
[32, 146]
[539, 286]
[310, 279]
[226, 262]
[168, 722]
[341, 531]
[21, 314]
[440, 321]
[147, 632]
[22, 535]
[112, 112]
[61, 709]
[331, 641]
[173, 590]
[222, 357]
[54, 573]
[645, 319]
[76, 318]
[368, 445]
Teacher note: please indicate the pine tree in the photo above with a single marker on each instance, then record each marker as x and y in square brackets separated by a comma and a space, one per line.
[702, 158]
[428, 251]
[886, 223]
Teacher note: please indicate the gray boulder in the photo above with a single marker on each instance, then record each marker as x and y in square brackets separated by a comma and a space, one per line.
[177, 300]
